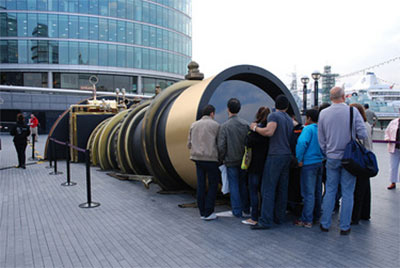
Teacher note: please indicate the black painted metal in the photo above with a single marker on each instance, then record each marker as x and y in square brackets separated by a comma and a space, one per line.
[304, 99]
[316, 93]
[68, 159]
[54, 153]
[89, 203]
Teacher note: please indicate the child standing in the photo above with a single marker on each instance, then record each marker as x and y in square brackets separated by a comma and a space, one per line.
[310, 157]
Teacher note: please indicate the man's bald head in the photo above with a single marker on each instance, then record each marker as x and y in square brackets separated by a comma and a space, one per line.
[337, 95]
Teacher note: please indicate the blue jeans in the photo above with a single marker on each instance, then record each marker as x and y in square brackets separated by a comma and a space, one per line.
[275, 179]
[335, 175]
[206, 201]
[238, 190]
[254, 187]
[311, 191]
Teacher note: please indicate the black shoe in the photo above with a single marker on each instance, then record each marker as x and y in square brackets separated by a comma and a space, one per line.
[347, 232]
[259, 227]
[323, 229]
[354, 223]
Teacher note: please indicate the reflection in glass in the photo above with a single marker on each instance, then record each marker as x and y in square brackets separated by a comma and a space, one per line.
[32, 24]
[129, 57]
[83, 53]
[93, 54]
[112, 30]
[83, 27]
[22, 51]
[31, 4]
[12, 51]
[21, 5]
[73, 53]
[113, 8]
[93, 7]
[137, 10]
[32, 51]
[121, 31]
[121, 8]
[93, 28]
[42, 26]
[42, 5]
[130, 33]
[103, 54]
[63, 26]
[53, 52]
[138, 34]
[73, 27]
[129, 10]
[250, 96]
[112, 55]
[84, 6]
[146, 36]
[145, 59]
[103, 29]
[121, 56]
[103, 7]
[153, 38]
[73, 6]
[22, 25]
[53, 26]
[145, 12]
[138, 58]
[53, 5]
[43, 51]
[63, 52]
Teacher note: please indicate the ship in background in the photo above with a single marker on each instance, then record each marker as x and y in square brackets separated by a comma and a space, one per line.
[382, 98]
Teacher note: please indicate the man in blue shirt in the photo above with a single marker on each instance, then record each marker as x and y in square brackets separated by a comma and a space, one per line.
[276, 170]
[309, 157]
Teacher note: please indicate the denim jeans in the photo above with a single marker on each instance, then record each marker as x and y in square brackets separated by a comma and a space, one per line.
[206, 201]
[337, 175]
[254, 187]
[311, 191]
[238, 190]
[274, 180]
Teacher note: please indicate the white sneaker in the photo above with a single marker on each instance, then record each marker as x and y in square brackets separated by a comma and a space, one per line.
[249, 222]
[211, 217]
[202, 217]
[225, 214]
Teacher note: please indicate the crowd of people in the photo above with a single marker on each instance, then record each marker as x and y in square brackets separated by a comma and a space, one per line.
[259, 194]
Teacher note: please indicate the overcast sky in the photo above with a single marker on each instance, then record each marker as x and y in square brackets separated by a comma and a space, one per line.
[283, 36]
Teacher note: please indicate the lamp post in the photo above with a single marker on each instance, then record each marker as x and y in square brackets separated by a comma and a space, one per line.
[305, 81]
[316, 76]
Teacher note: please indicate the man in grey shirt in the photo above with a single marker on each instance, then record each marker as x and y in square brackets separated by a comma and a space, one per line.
[333, 136]
[371, 117]
[231, 140]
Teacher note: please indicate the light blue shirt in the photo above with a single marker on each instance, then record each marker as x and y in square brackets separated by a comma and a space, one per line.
[307, 148]
[334, 129]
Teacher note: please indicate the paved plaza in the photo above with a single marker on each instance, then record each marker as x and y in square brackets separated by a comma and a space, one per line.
[41, 225]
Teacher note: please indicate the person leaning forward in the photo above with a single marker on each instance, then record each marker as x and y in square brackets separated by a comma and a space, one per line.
[231, 142]
[333, 136]
[276, 169]
[202, 142]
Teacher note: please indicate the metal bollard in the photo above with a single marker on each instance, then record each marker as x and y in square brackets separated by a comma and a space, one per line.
[67, 158]
[89, 203]
[55, 172]
[33, 147]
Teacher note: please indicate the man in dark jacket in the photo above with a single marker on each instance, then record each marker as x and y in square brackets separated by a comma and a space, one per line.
[231, 141]
[20, 132]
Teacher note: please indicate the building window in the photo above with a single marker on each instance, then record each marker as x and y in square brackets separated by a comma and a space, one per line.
[53, 26]
[121, 56]
[149, 85]
[83, 27]
[83, 53]
[93, 54]
[112, 55]
[93, 28]
[103, 54]
[63, 53]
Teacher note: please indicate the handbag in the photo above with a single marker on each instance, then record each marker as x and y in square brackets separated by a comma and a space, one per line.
[246, 161]
[357, 160]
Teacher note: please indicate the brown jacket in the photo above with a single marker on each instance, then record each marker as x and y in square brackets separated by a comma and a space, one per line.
[202, 140]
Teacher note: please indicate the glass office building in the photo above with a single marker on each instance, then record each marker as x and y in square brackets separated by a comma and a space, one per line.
[131, 44]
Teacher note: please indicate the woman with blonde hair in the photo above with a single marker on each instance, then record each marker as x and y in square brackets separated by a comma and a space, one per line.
[362, 192]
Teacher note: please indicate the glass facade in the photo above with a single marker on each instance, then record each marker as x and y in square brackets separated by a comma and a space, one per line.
[125, 34]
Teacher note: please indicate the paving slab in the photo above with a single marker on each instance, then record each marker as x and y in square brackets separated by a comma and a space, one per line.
[41, 225]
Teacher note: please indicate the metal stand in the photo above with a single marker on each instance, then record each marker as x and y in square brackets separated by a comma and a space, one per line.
[89, 203]
[54, 156]
[33, 147]
[67, 157]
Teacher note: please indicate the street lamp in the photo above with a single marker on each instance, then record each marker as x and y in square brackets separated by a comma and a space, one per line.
[316, 76]
[305, 81]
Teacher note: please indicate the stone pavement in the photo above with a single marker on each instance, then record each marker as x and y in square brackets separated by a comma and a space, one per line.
[41, 225]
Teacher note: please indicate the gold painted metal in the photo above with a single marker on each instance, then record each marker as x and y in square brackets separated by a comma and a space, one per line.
[103, 140]
[151, 115]
[182, 114]
[126, 147]
[92, 142]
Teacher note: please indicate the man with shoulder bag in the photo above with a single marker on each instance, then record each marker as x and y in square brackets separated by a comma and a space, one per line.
[333, 136]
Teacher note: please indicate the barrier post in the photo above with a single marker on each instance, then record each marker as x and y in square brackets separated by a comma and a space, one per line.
[50, 158]
[55, 172]
[89, 203]
[33, 147]
[67, 159]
